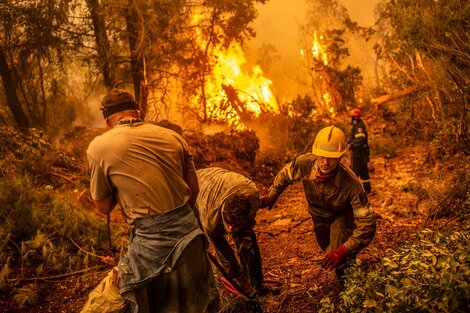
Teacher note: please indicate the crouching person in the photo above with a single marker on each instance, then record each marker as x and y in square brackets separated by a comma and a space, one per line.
[227, 205]
[149, 171]
[343, 220]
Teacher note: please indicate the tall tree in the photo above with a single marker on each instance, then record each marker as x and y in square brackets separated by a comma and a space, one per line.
[98, 17]
[325, 34]
[428, 47]
[163, 42]
[10, 91]
[216, 24]
[33, 39]
[135, 34]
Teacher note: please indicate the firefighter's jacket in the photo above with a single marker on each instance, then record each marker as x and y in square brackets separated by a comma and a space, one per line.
[358, 140]
[342, 195]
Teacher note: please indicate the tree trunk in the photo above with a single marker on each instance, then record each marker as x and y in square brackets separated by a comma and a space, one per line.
[237, 104]
[102, 42]
[134, 34]
[9, 86]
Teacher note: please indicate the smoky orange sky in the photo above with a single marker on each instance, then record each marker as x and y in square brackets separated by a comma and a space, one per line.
[278, 25]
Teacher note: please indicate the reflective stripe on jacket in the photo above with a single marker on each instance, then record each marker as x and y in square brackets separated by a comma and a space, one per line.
[343, 195]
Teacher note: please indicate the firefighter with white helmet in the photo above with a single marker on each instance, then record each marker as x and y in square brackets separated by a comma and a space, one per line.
[344, 222]
[360, 149]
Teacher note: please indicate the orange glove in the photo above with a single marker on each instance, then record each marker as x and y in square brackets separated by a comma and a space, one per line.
[332, 259]
[246, 289]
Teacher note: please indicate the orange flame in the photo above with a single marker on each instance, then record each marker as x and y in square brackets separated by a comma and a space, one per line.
[253, 88]
[318, 52]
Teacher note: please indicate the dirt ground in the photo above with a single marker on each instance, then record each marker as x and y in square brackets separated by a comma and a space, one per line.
[291, 254]
[289, 251]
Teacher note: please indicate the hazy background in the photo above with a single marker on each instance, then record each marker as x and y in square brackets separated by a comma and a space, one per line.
[277, 30]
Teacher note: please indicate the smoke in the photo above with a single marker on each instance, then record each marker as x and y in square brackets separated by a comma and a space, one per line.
[361, 12]
[90, 115]
[277, 37]
[278, 28]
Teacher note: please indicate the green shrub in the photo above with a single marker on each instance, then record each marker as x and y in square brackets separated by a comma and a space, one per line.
[29, 153]
[41, 230]
[431, 275]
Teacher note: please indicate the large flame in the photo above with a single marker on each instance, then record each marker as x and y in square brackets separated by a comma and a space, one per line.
[320, 60]
[252, 88]
[318, 50]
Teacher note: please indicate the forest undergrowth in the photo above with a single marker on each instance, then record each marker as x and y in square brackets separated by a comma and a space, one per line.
[50, 235]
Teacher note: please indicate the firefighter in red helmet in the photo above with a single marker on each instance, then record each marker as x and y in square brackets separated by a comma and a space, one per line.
[360, 149]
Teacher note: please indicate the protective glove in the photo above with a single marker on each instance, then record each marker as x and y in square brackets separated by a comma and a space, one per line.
[249, 295]
[267, 202]
[332, 259]
[248, 291]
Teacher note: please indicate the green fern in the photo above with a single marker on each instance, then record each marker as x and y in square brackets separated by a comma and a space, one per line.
[27, 295]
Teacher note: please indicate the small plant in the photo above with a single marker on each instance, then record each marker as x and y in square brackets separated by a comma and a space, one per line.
[27, 295]
[46, 233]
[326, 306]
[430, 275]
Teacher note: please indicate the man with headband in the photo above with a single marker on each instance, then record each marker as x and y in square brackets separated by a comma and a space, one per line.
[149, 171]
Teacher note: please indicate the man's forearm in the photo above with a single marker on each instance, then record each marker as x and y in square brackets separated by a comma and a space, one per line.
[106, 205]
[193, 184]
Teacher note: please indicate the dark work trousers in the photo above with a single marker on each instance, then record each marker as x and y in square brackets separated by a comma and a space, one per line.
[330, 234]
[359, 165]
[249, 256]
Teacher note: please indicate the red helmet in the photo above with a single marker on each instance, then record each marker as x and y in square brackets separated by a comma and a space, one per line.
[355, 113]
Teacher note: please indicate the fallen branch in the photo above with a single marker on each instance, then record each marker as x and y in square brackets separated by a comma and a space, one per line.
[389, 97]
[105, 259]
[55, 276]
[290, 294]
[62, 176]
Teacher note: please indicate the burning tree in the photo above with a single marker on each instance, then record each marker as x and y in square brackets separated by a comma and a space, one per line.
[333, 84]
[334, 87]
[225, 91]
